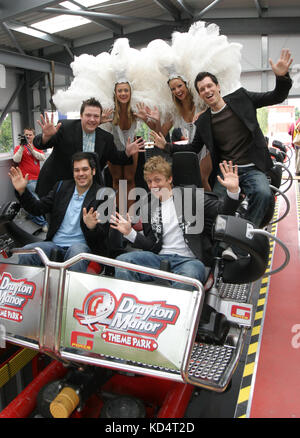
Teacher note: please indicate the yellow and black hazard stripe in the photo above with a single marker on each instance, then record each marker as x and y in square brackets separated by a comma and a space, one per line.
[247, 382]
[15, 364]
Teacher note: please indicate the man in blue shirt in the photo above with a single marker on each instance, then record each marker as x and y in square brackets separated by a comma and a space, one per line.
[74, 227]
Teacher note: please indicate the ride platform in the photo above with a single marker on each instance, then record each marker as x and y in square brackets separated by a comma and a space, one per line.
[270, 385]
[266, 383]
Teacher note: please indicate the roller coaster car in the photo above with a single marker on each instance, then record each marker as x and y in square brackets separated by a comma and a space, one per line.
[101, 327]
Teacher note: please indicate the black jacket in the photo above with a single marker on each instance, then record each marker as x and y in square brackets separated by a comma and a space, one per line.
[65, 143]
[56, 203]
[200, 244]
[244, 104]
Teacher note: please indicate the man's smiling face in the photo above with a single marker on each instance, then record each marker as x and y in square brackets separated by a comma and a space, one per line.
[159, 185]
[209, 92]
[83, 175]
[90, 119]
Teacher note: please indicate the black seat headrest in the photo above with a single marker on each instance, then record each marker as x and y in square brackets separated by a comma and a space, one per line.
[237, 232]
[186, 169]
[277, 154]
[275, 175]
[8, 211]
[278, 144]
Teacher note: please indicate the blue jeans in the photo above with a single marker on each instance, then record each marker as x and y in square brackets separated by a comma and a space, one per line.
[65, 252]
[39, 220]
[255, 185]
[189, 267]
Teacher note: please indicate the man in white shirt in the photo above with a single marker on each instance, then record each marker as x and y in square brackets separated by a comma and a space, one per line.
[168, 235]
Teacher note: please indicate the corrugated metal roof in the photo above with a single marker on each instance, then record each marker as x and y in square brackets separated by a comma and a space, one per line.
[143, 9]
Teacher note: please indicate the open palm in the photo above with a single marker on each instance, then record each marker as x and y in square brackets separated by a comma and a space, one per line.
[17, 179]
[230, 176]
[48, 127]
[283, 64]
[118, 222]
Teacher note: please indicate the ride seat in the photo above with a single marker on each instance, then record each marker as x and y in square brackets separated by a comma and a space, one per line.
[94, 268]
[186, 173]
[186, 170]
[278, 144]
[277, 154]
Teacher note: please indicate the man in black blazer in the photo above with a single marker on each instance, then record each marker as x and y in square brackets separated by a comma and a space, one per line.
[229, 128]
[74, 227]
[70, 136]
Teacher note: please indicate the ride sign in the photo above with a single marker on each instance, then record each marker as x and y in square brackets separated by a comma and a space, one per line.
[14, 295]
[100, 307]
[125, 318]
[20, 302]
[130, 321]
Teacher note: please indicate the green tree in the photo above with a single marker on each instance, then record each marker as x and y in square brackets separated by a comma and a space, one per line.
[143, 131]
[6, 140]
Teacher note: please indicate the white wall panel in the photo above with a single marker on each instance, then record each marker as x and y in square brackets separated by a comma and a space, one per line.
[12, 79]
[252, 60]
[277, 42]
[251, 51]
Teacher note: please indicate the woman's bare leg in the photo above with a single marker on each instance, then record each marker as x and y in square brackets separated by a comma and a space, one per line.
[129, 175]
[117, 174]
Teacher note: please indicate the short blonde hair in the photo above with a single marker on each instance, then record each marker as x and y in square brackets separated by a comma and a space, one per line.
[157, 164]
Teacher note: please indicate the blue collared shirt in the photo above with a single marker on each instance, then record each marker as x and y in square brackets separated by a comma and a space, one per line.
[70, 231]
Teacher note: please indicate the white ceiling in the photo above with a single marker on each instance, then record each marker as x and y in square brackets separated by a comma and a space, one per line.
[139, 20]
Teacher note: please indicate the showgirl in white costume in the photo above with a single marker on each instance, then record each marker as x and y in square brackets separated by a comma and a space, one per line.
[125, 121]
[200, 49]
[109, 77]
[151, 73]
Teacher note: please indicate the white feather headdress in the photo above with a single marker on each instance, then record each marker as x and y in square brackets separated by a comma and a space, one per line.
[148, 70]
[202, 48]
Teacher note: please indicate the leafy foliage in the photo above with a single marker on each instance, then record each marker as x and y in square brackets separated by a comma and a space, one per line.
[262, 117]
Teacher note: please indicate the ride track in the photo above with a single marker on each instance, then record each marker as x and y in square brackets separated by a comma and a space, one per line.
[270, 384]
[277, 379]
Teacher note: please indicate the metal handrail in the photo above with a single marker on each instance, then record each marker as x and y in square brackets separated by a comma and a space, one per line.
[109, 262]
